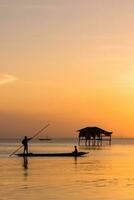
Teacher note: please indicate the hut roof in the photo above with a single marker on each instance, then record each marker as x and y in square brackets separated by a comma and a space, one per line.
[94, 129]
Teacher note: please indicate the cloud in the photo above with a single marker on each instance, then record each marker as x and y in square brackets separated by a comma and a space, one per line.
[6, 78]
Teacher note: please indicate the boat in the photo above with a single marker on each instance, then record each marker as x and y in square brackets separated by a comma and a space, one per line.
[46, 139]
[71, 154]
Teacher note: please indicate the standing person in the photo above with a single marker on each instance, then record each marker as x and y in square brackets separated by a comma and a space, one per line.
[25, 144]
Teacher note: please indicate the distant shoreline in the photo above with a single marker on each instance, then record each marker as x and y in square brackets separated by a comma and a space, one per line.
[58, 138]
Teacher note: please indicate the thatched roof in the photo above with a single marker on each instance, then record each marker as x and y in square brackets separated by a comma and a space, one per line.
[94, 130]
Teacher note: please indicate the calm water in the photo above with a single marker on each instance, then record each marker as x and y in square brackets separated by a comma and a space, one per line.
[106, 173]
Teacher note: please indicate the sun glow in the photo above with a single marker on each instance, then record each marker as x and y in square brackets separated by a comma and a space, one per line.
[73, 70]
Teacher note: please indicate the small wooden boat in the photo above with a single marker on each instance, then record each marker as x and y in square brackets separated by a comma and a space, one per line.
[45, 139]
[52, 154]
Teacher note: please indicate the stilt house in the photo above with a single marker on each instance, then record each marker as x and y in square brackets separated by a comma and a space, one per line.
[94, 136]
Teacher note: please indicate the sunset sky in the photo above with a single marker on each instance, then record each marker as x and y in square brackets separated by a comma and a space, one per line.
[68, 63]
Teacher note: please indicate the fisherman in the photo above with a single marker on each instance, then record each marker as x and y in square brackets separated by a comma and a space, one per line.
[25, 144]
[75, 150]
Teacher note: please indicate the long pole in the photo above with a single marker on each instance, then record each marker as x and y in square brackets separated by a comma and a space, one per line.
[39, 131]
[30, 138]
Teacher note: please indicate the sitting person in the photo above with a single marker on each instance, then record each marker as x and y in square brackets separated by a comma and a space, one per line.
[75, 150]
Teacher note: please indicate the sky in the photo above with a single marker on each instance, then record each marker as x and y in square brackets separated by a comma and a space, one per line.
[67, 63]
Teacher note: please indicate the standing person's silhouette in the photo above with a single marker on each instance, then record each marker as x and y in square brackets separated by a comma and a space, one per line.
[25, 144]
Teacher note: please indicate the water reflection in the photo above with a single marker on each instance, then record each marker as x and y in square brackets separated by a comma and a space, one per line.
[75, 161]
[25, 165]
[25, 162]
[95, 147]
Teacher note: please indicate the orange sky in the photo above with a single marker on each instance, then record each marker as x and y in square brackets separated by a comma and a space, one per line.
[69, 63]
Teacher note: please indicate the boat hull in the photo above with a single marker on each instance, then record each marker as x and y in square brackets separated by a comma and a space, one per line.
[52, 154]
[45, 139]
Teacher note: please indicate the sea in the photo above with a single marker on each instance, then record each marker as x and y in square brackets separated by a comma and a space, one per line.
[105, 173]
